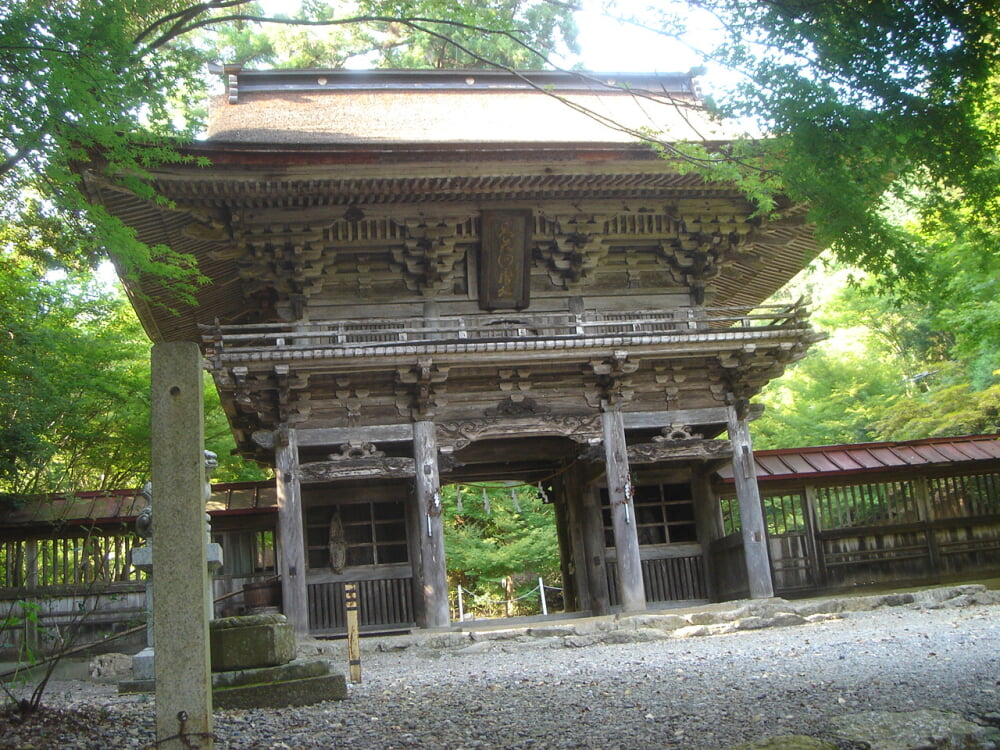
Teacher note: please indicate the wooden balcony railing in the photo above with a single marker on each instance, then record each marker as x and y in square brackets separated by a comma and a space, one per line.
[501, 327]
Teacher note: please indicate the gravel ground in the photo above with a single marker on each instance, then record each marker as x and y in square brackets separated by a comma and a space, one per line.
[697, 692]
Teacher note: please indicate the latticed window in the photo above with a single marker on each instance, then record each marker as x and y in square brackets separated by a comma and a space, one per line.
[730, 514]
[664, 514]
[783, 514]
[373, 533]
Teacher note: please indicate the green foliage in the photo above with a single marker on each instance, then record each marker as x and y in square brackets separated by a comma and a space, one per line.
[864, 106]
[922, 362]
[74, 384]
[74, 387]
[414, 34]
[78, 88]
[510, 533]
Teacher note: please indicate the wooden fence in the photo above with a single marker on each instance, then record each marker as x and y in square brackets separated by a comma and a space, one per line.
[883, 531]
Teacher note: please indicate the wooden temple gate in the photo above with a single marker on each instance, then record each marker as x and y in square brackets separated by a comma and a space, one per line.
[400, 298]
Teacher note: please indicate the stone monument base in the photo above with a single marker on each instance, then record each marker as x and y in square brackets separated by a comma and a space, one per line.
[251, 641]
[298, 683]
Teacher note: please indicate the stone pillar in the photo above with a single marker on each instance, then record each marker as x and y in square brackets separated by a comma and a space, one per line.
[430, 571]
[620, 490]
[292, 560]
[751, 513]
[180, 614]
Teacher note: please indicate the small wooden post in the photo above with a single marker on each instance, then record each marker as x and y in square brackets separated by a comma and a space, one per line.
[353, 631]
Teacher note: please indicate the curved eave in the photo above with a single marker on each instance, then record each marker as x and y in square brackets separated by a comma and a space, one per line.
[381, 176]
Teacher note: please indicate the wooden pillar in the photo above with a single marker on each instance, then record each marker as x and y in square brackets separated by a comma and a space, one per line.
[292, 560]
[593, 547]
[567, 557]
[708, 522]
[431, 570]
[180, 613]
[925, 511]
[751, 512]
[814, 545]
[572, 489]
[620, 490]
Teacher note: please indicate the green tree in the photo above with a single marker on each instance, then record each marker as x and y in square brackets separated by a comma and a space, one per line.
[74, 387]
[74, 384]
[500, 532]
[119, 84]
[863, 105]
[922, 361]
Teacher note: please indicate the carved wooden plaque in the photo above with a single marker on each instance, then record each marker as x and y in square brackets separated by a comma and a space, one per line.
[505, 260]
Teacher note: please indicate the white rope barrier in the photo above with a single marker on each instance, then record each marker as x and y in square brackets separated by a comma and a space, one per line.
[538, 590]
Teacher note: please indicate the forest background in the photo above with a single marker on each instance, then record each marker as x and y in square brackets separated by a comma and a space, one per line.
[884, 116]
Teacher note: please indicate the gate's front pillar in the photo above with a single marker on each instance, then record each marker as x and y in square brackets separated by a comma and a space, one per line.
[430, 570]
[292, 560]
[755, 550]
[620, 492]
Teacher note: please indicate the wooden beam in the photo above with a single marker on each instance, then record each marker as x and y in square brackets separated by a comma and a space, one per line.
[382, 433]
[384, 467]
[711, 415]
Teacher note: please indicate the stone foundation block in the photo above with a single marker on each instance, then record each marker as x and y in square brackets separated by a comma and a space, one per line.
[250, 642]
[304, 692]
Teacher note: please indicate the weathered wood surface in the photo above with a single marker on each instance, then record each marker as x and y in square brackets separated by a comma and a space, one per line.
[730, 568]
[676, 450]
[431, 570]
[292, 560]
[360, 468]
[886, 554]
[666, 579]
[758, 565]
[382, 603]
[623, 523]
